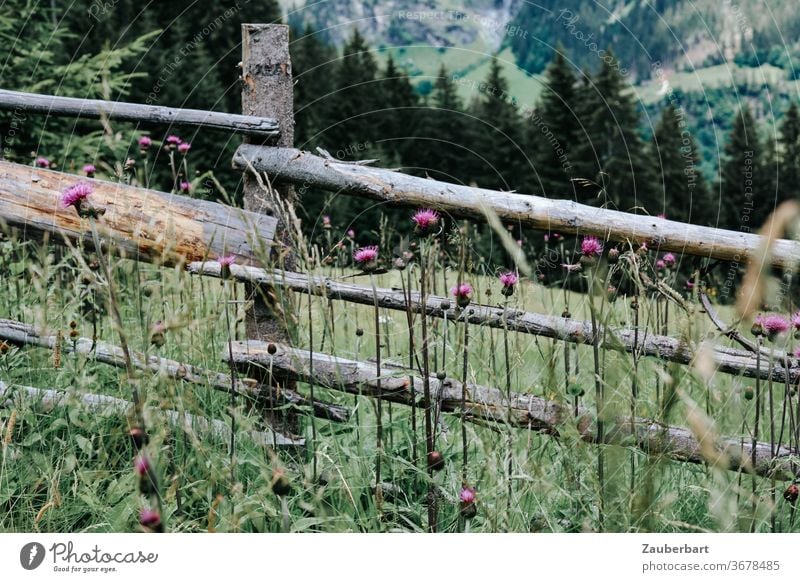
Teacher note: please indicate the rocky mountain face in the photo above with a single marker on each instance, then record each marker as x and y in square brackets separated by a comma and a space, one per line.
[441, 23]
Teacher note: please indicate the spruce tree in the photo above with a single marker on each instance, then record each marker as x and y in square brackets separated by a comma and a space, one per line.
[357, 97]
[313, 67]
[739, 175]
[682, 193]
[441, 148]
[397, 117]
[501, 142]
[614, 154]
[552, 130]
[790, 154]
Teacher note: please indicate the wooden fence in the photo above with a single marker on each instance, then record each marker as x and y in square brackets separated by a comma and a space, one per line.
[170, 230]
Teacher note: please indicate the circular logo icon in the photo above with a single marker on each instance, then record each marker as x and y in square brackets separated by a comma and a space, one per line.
[31, 555]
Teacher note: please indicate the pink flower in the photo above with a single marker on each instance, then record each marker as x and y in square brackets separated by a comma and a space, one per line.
[145, 142]
[149, 518]
[467, 495]
[660, 264]
[326, 221]
[773, 324]
[227, 260]
[426, 220]
[669, 259]
[509, 279]
[42, 162]
[351, 234]
[591, 246]
[75, 194]
[172, 140]
[184, 147]
[141, 465]
[690, 285]
[186, 187]
[463, 294]
[89, 170]
[366, 255]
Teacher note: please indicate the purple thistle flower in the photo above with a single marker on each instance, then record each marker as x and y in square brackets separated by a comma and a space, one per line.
[89, 170]
[185, 187]
[669, 259]
[366, 258]
[173, 140]
[365, 254]
[467, 495]
[509, 279]
[75, 194]
[351, 234]
[772, 324]
[141, 465]
[326, 221]
[591, 246]
[184, 147]
[661, 264]
[227, 260]
[145, 142]
[463, 294]
[42, 162]
[150, 519]
[426, 220]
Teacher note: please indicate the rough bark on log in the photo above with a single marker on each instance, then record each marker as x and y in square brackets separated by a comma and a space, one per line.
[565, 216]
[144, 224]
[490, 404]
[261, 127]
[21, 334]
[728, 360]
[47, 400]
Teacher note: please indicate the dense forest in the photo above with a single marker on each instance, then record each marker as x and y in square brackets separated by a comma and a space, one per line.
[587, 139]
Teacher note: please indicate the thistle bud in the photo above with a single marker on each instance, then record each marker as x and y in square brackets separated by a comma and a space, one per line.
[435, 461]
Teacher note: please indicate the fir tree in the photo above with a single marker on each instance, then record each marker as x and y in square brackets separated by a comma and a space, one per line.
[790, 154]
[682, 190]
[612, 151]
[501, 138]
[739, 175]
[552, 130]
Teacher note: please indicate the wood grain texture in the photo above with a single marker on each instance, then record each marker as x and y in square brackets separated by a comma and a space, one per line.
[727, 360]
[22, 334]
[143, 224]
[262, 127]
[486, 403]
[564, 216]
[13, 396]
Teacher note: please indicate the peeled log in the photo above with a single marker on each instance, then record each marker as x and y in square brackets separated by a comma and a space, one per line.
[549, 214]
[490, 404]
[727, 360]
[144, 224]
[45, 399]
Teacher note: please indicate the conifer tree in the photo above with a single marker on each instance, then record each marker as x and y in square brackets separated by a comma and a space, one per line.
[501, 136]
[790, 154]
[357, 97]
[612, 150]
[681, 191]
[552, 129]
[739, 175]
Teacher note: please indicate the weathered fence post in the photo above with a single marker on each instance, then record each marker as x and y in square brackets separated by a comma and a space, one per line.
[267, 91]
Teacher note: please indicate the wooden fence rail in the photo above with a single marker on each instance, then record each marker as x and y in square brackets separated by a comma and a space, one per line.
[22, 334]
[11, 396]
[261, 127]
[144, 224]
[564, 216]
[489, 404]
[727, 360]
